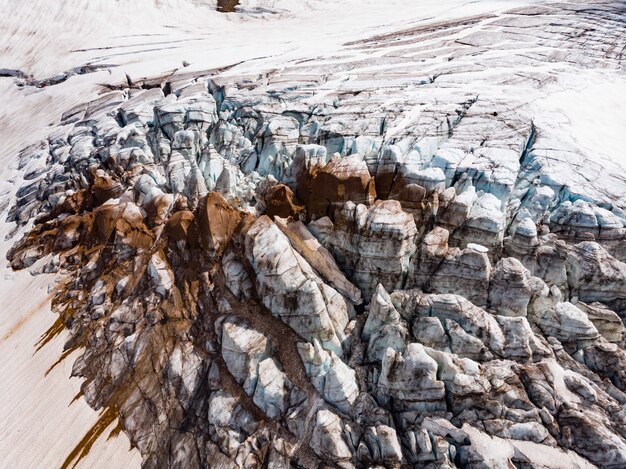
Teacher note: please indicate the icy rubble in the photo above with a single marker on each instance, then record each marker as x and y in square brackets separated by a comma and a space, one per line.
[379, 265]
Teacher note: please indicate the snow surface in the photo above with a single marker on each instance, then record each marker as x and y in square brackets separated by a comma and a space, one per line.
[594, 109]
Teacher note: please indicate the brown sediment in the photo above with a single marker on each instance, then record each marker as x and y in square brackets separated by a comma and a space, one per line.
[227, 6]
[63, 356]
[105, 188]
[77, 396]
[53, 331]
[384, 181]
[265, 322]
[181, 226]
[280, 201]
[111, 219]
[340, 181]
[25, 318]
[116, 241]
[116, 430]
[217, 222]
[261, 319]
[81, 450]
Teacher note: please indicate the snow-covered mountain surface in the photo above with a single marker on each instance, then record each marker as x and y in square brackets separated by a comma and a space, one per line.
[313, 234]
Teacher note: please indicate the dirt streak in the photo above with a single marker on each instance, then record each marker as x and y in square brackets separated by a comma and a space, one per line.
[83, 447]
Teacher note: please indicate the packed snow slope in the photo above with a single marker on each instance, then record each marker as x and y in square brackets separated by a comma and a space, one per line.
[327, 234]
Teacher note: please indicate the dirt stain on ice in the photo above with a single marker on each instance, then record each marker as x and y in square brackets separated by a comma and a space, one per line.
[57, 327]
[18, 325]
[227, 6]
[82, 449]
[63, 356]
